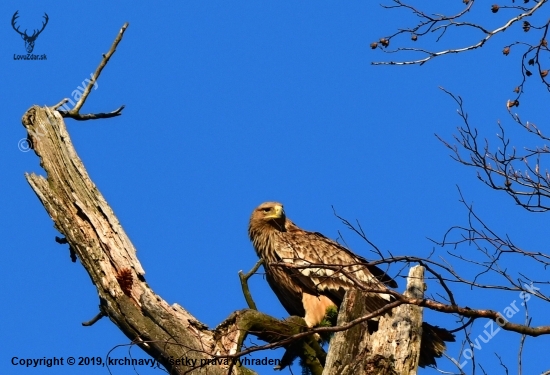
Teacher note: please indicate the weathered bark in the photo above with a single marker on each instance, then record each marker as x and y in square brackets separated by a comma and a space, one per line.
[88, 223]
[393, 349]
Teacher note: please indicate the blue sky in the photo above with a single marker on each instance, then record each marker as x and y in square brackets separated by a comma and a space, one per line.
[229, 105]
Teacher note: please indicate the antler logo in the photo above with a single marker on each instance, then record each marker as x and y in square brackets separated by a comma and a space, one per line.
[29, 39]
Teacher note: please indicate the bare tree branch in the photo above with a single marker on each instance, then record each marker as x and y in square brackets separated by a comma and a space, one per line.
[499, 168]
[244, 284]
[75, 112]
[429, 23]
[533, 57]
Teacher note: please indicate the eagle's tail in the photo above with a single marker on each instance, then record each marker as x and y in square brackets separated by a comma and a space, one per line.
[432, 344]
[375, 301]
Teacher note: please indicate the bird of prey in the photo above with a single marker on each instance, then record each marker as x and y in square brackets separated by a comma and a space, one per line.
[310, 272]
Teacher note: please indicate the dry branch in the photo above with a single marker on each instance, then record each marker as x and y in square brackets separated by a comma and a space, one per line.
[75, 112]
[500, 167]
[244, 284]
[438, 22]
[418, 48]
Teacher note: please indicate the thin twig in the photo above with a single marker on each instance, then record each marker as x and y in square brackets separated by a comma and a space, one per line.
[244, 284]
[92, 321]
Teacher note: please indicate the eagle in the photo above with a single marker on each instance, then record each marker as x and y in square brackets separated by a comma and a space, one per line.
[319, 273]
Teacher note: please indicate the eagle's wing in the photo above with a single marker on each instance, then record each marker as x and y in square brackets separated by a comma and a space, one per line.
[374, 270]
[289, 285]
[322, 266]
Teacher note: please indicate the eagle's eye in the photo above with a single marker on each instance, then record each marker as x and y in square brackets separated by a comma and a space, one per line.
[266, 209]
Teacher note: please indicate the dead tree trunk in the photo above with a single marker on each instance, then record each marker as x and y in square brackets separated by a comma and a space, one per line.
[393, 349]
[94, 234]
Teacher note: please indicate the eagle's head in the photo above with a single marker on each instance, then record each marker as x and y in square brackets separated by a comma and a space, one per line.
[268, 215]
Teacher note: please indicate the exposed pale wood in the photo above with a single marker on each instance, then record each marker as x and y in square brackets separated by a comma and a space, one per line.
[393, 349]
[399, 334]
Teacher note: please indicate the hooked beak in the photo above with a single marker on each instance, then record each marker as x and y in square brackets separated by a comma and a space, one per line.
[278, 213]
